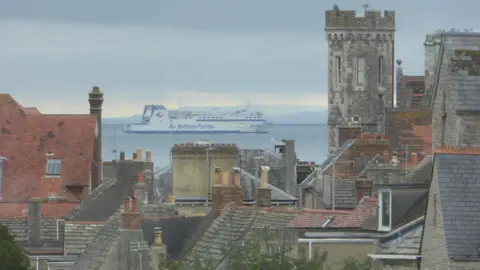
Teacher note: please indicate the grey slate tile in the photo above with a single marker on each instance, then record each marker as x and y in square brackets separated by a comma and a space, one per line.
[459, 191]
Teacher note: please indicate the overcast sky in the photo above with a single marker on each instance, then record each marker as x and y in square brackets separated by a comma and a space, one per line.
[202, 52]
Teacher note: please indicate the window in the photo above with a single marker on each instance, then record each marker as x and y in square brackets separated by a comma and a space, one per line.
[338, 66]
[380, 70]
[360, 70]
[385, 207]
[53, 167]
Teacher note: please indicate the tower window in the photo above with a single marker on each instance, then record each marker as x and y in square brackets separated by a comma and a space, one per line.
[360, 70]
[338, 64]
[380, 70]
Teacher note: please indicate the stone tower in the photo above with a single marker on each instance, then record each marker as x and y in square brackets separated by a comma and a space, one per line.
[361, 68]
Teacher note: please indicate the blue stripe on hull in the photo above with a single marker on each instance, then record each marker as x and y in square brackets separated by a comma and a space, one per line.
[195, 132]
[231, 120]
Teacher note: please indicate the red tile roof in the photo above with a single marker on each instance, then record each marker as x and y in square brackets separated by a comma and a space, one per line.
[423, 131]
[310, 218]
[25, 139]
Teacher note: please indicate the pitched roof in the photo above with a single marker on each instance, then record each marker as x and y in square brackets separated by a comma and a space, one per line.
[233, 225]
[459, 189]
[422, 173]
[27, 138]
[310, 218]
[250, 183]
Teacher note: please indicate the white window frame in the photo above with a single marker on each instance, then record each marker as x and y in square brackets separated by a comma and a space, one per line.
[360, 67]
[338, 68]
[381, 227]
[53, 168]
[381, 67]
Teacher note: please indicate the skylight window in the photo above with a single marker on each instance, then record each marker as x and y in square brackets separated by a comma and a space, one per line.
[54, 167]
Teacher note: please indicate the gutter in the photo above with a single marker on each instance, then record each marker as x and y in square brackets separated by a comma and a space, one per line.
[393, 257]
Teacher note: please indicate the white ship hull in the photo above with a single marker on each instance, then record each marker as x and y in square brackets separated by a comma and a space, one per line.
[159, 120]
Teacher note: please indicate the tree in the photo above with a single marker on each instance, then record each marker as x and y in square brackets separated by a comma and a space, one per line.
[353, 264]
[11, 255]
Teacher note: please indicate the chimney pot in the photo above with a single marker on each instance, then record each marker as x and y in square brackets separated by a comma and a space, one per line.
[226, 179]
[158, 237]
[122, 155]
[386, 157]
[264, 176]
[134, 156]
[414, 159]
[126, 204]
[139, 154]
[148, 156]
[236, 176]
[134, 205]
[172, 199]
[218, 176]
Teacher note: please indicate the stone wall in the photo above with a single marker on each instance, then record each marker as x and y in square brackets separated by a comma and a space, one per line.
[79, 234]
[189, 166]
[359, 93]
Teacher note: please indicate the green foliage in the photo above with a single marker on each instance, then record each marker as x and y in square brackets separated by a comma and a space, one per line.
[353, 264]
[11, 255]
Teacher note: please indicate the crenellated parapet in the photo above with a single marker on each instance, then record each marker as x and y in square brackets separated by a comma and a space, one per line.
[348, 19]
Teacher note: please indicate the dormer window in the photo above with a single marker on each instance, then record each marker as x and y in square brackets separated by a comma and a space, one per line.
[54, 167]
[385, 210]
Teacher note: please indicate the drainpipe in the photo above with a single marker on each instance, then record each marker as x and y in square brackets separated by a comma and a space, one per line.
[58, 230]
[37, 265]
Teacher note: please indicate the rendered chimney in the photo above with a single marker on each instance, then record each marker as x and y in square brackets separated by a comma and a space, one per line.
[218, 176]
[34, 221]
[95, 99]
[413, 159]
[122, 155]
[264, 176]
[148, 156]
[236, 176]
[264, 194]
[139, 154]
[386, 157]
[157, 251]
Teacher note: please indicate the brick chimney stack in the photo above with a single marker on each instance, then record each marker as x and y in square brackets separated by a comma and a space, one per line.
[227, 191]
[34, 221]
[95, 98]
[264, 194]
[122, 156]
[131, 217]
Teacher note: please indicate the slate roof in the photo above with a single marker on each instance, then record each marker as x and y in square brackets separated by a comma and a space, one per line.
[97, 251]
[459, 189]
[27, 138]
[310, 218]
[233, 225]
[422, 173]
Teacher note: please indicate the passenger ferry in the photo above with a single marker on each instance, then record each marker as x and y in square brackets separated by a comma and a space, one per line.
[157, 119]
